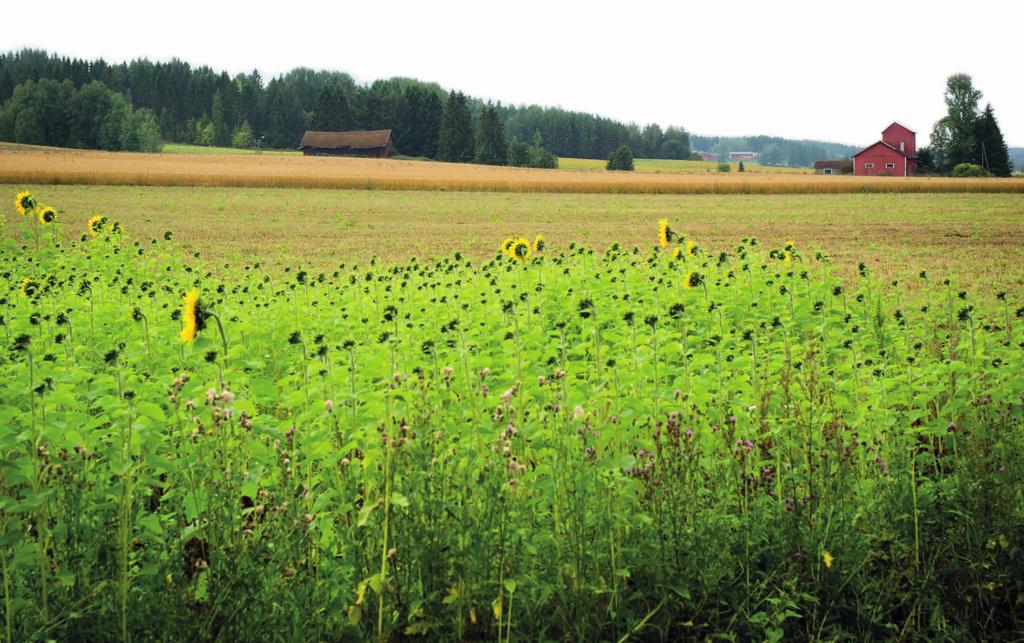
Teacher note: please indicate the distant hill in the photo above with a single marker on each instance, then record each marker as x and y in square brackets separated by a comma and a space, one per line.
[773, 150]
[1017, 156]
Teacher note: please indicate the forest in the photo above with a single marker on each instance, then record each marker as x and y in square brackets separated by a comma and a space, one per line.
[48, 99]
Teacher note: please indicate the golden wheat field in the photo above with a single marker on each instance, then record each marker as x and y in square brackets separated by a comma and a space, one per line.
[32, 165]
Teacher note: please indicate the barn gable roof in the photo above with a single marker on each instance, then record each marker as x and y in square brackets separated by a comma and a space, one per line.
[899, 124]
[351, 140]
[883, 144]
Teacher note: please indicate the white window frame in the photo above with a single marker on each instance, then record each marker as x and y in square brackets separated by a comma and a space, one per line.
[890, 166]
[869, 166]
[826, 170]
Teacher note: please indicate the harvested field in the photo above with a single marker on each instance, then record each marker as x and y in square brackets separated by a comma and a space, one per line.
[30, 165]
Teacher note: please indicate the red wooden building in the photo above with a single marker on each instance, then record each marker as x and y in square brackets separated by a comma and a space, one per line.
[375, 143]
[894, 155]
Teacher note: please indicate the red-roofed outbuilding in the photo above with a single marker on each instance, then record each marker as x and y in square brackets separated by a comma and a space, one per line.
[894, 155]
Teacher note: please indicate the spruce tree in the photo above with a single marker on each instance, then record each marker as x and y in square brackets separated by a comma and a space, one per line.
[455, 135]
[331, 113]
[490, 139]
[991, 152]
[221, 135]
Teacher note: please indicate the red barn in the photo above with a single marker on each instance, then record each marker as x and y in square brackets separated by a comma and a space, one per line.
[894, 155]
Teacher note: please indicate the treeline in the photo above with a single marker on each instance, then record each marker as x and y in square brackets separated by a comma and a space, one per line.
[202, 106]
[772, 150]
[51, 112]
[966, 141]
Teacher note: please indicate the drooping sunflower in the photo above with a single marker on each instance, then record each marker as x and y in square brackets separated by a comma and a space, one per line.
[677, 252]
[506, 246]
[47, 215]
[29, 287]
[539, 244]
[665, 234]
[25, 202]
[96, 224]
[692, 248]
[520, 250]
[692, 280]
[193, 317]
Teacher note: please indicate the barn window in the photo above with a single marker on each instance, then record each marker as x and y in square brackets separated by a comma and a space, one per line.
[869, 166]
[827, 170]
[890, 166]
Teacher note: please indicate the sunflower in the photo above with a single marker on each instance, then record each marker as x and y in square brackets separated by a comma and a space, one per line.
[677, 252]
[788, 258]
[25, 202]
[539, 244]
[29, 286]
[96, 224]
[790, 246]
[506, 246]
[665, 233]
[47, 215]
[193, 317]
[692, 248]
[116, 228]
[692, 280]
[520, 249]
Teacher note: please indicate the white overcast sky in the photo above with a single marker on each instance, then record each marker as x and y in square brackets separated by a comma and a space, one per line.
[837, 71]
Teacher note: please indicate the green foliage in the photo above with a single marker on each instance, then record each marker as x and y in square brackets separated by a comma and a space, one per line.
[621, 159]
[966, 135]
[969, 170]
[455, 138]
[564, 445]
[332, 112]
[741, 167]
[491, 148]
[992, 152]
[242, 138]
[724, 167]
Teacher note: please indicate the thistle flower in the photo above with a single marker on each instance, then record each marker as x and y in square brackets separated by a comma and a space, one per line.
[193, 317]
[25, 202]
[96, 224]
[47, 215]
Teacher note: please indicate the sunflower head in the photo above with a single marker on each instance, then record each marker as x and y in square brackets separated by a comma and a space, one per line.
[788, 257]
[506, 246]
[520, 250]
[29, 287]
[677, 252]
[47, 215]
[116, 228]
[692, 248]
[193, 317]
[25, 202]
[790, 246]
[539, 244]
[665, 233]
[96, 224]
[692, 280]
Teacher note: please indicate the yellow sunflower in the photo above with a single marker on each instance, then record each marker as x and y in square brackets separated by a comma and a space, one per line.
[47, 215]
[506, 246]
[193, 319]
[539, 244]
[677, 252]
[25, 202]
[96, 224]
[29, 287]
[692, 248]
[788, 258]
[664, 233]
[520, 249]
[692, 280]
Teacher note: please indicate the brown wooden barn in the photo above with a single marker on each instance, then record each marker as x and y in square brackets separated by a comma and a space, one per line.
[833, 167]
[375, 144]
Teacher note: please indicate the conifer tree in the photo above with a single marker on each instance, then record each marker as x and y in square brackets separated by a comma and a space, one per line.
[991, 151]
[455, 136]
[490, 139]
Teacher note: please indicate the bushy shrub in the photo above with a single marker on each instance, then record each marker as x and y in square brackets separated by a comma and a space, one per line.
[969, 170]
[621, 159]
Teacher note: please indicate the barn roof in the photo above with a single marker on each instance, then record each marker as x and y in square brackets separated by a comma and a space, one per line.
[818, 165]
[352, 140]
[884, 144]
[901, 125]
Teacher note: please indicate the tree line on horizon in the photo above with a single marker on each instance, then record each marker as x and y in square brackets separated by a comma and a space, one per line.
[175, 102]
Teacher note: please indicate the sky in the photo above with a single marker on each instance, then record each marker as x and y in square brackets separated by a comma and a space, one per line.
[834, 71]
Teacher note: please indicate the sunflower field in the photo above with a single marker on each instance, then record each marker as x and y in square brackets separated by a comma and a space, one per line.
[660, 443]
